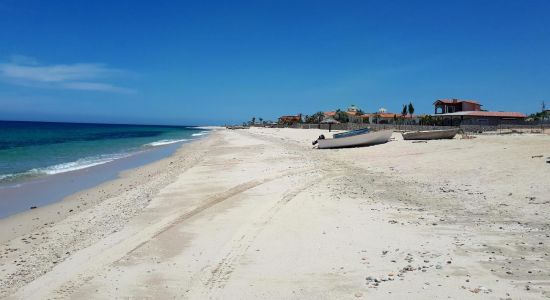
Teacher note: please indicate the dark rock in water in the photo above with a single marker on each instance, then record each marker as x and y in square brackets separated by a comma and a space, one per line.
[33, 207]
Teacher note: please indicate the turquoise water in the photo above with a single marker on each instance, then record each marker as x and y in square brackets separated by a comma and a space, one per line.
[31, 149]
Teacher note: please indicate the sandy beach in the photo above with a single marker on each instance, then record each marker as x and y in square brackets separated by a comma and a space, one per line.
[259, 214]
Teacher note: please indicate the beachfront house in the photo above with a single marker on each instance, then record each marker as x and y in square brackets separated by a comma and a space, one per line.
[385, 117]
[444, 106]
[456, 112]
[356, 115]
[291, 119]
[353, 113]
[392, 118]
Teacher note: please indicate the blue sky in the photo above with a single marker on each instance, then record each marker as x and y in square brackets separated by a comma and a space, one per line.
[212, 62]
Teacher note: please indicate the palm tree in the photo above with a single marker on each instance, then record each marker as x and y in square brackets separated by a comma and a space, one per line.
[318, 117]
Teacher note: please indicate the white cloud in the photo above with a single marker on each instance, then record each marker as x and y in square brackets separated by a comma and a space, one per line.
[26, 71]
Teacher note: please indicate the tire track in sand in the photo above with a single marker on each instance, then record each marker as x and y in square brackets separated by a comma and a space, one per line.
[212, 279]
[61, 280]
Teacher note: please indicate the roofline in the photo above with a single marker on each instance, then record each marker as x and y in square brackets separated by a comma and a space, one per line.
[458, 101]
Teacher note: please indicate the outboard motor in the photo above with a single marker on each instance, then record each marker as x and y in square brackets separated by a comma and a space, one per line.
[321, 137]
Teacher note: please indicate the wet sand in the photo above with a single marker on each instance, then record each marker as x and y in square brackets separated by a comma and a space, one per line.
[20, 196]
[259, 214]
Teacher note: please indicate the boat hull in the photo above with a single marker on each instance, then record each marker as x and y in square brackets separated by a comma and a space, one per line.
[430, 134]
[367, 139]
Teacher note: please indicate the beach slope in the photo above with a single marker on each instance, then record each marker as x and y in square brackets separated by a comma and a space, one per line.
[259, 214]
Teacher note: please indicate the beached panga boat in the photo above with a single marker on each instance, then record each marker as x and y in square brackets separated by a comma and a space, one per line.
[356, 138]
[431, 134]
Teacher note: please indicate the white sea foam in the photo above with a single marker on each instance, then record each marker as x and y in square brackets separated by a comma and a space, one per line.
[200, 133]
[8, 178]
[165, 142]
[4, 176]
[80, 164]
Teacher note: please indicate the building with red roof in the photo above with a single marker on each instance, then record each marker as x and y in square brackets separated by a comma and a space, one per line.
[329, 114]
[443, 106]
[469, 112]
[392, 118]
[289, 120]
[354, 113]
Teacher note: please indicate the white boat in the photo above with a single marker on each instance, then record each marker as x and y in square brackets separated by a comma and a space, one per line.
[356, 140]
[431, 134]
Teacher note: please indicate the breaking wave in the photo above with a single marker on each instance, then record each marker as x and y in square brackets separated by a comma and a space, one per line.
[165, 142]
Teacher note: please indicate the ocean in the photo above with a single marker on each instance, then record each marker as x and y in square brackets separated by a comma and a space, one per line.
[36, 156]
[29, 149]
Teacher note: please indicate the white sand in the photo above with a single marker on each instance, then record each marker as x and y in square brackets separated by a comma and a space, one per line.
[258, 214]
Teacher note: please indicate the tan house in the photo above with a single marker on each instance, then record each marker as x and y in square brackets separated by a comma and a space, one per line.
[354, 114]
[385, 117]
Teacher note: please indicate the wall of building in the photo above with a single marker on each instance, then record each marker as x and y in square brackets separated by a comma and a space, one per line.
[466, 106]
[491, 121]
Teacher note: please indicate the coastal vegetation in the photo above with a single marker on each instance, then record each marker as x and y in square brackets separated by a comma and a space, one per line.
[315, 118]
[407, 116]
[542, 116]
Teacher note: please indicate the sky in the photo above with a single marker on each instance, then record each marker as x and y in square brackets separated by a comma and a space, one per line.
[221, 62]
